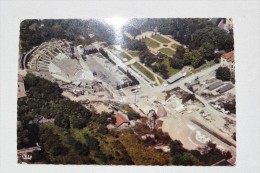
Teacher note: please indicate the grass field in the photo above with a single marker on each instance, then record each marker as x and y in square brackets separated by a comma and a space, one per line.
[144, 71]
[171, 70]
[124, 55]
[151, 43]
[167, 51]
[161, 39]
[174, 46]
[133, 53]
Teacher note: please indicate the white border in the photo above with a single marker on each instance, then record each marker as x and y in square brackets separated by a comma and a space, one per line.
[246, 16]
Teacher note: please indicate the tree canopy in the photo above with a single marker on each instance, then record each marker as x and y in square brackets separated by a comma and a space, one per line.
[35, 32]
[223, 73]
[192, 32]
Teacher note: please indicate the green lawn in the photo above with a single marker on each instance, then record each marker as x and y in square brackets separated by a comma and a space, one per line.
[171, 70]
[144, 71]
[161, 39]
[167, 51]
[133, 53]
[124, 55]
[151, 43]
[174, 46]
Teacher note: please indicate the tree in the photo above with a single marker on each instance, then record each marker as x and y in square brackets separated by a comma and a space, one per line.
[217, 57]
[62, 120]
[207, 51]
[133, 44]
[193, 57]
[223, 73]
[230, 106]
[185, 159]
[51, 144]
[133, 116]
[37, 156]
[176, 63]
[91, 142]
[163, 71]
[213, 35]
[155, 68]
[176, 147]
[180, 50]
[81, 149]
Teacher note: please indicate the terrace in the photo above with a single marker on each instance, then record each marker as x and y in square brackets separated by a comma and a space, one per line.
[133, 53]
[150, 43]
[123, 56]
[161, 39]
[174, 46]
[167, 51]
[144, 71]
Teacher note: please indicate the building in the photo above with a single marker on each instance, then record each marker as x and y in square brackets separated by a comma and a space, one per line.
[215, 85]
[175, 78]
[224, 23]
[228, 60]
[21, 89]
[225, 88]
[121, 120]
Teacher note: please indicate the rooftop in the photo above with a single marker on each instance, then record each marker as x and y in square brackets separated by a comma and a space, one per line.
[229, 56]
[175, 77]
[120, 119]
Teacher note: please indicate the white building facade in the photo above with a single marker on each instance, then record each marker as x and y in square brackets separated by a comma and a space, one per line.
[228, 60]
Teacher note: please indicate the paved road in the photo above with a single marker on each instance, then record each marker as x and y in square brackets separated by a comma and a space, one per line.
[136, 59]
[208, 107]
[158, 90]
[180, 83]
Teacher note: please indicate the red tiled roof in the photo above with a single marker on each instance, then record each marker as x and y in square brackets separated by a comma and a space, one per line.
[229, 56]
[120, 119]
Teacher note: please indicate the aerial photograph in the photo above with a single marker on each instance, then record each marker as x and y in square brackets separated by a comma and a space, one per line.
[122, 91]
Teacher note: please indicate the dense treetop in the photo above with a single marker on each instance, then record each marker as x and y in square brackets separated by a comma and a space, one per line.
[35, 32]
[192, 32]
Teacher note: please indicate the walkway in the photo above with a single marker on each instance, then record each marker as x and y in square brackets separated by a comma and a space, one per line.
[162, 45]
[136, 59]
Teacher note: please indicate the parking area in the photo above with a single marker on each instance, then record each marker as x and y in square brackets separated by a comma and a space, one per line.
[219, 94]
